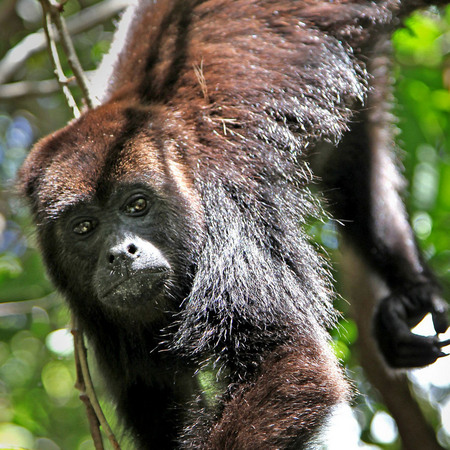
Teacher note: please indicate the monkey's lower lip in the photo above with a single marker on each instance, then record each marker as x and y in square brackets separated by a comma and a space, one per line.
[135, 290]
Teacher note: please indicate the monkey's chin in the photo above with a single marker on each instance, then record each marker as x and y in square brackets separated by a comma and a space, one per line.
[139, 292]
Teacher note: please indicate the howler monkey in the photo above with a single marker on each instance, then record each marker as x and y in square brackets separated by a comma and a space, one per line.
[171, 216]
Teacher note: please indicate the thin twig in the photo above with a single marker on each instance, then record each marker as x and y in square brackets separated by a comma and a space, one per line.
[80, 384]
[198, 70]
[24, 89]
[86, 387]
[55, 12]
[53, 52]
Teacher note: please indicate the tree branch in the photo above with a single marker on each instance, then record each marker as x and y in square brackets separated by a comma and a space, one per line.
[87, 392]
[364, 289]
[54, 11]
[54, 57]
[23, 89]
[16, 57]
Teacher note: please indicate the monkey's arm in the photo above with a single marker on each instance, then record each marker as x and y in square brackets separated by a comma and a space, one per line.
[363, 185]
[285, 405]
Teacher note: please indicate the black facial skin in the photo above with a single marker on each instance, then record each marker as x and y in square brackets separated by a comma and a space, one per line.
[134, 274]
[130, 271]
[122, 248]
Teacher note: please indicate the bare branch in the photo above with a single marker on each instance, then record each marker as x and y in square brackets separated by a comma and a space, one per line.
[22, 89]
[85, 386]
[33, 43]
[54, 10]
[364, 288]
[80, 384]
[53, 52]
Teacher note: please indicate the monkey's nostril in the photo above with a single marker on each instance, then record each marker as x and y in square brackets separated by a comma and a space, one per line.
[132, 249]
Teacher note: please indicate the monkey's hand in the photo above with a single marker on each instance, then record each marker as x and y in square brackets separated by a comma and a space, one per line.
[397, 314]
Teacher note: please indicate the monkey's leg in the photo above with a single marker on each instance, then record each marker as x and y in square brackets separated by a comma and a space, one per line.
[363, 185]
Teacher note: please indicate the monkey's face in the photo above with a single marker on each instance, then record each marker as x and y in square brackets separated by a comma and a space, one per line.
[125, 245]
[118, 218]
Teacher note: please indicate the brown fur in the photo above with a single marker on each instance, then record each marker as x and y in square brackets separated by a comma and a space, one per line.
[286, 404]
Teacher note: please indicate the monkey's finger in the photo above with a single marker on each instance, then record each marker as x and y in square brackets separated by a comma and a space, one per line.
[411, 350]
[444, 343]
[439, 314]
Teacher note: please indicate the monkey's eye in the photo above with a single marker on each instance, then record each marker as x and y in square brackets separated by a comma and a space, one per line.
[83, 227]
[136, 206]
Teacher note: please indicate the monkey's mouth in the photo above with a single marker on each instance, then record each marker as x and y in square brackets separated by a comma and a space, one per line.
[141, 289]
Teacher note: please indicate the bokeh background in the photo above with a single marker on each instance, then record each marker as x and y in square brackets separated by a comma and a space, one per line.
[39, 407]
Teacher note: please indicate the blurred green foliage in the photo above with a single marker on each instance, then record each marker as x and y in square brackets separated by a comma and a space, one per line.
[39, 407]
[423, 106]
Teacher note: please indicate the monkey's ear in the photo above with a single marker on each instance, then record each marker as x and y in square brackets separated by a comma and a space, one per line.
[29, 173]
[28, 176]
[35, 164]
